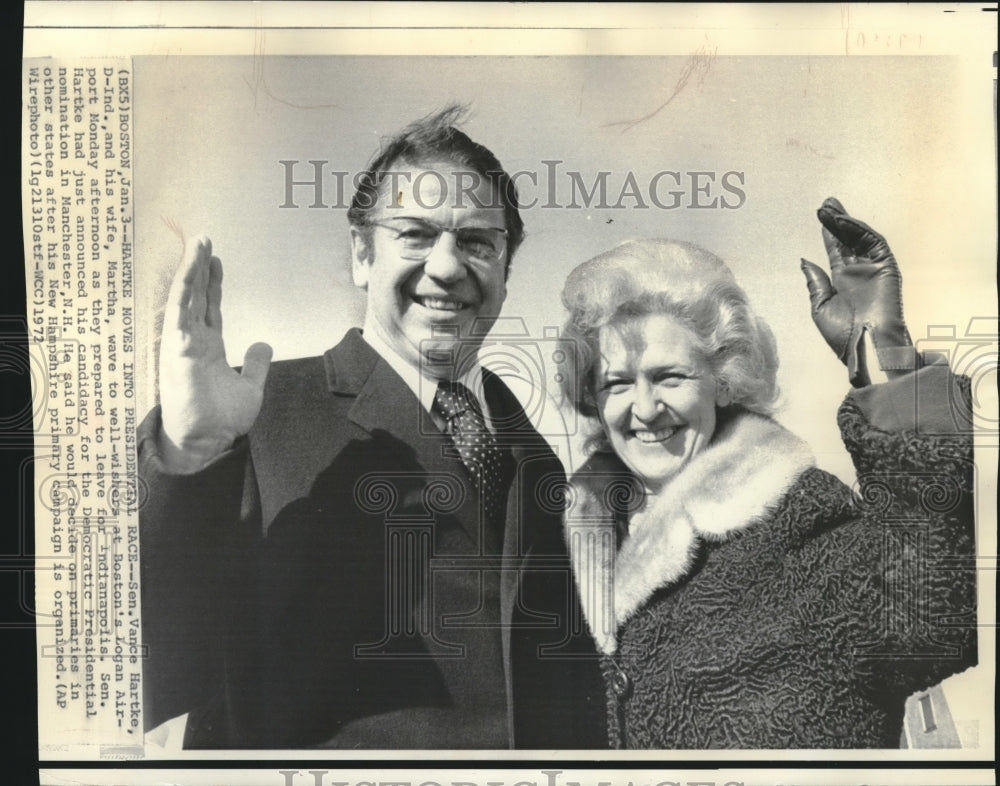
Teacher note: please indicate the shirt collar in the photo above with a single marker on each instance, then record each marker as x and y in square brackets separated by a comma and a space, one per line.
[425, 387]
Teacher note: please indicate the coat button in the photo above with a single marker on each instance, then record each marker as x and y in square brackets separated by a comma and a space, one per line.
[621, 684]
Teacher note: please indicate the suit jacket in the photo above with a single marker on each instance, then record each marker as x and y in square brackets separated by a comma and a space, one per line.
[371, 613]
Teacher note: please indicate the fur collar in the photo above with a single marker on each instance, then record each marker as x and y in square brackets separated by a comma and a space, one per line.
[736, 481]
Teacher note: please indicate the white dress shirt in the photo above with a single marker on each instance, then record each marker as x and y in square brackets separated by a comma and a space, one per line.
[425, 387]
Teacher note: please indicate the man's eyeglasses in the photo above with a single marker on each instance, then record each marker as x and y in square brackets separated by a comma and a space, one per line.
[417, 236]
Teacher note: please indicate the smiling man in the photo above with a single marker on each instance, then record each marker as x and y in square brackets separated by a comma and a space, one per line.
[434, 263]
[352, 551]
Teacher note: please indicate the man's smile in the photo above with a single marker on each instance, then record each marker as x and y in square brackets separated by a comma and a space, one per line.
[440, 303]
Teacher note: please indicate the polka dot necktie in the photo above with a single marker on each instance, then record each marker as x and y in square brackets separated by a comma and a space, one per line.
[478, 448]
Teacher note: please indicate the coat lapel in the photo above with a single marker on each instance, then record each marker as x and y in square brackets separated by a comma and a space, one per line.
[382, 400]
[736, 481]
[386, 408]
[517, 435]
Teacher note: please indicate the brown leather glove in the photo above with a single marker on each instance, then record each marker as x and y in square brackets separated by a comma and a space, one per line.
[864, 295]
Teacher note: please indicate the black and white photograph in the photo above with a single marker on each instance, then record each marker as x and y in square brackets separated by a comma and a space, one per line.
[521, 388]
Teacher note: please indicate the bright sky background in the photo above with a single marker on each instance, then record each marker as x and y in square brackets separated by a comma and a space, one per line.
[897, 139]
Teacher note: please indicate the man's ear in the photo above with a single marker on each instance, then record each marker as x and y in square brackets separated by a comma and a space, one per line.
[361, 257]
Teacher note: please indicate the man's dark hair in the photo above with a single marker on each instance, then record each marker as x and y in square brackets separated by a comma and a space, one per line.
[435, 139]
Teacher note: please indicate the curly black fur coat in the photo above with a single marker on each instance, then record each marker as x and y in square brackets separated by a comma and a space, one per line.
[762, 604]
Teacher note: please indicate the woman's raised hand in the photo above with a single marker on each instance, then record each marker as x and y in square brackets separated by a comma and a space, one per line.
[863, 293]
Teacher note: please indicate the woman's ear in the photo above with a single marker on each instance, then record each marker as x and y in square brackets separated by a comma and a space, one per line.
[723, 398]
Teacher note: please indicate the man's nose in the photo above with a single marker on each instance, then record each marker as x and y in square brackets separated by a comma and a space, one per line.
[647, 403]
[445, 262]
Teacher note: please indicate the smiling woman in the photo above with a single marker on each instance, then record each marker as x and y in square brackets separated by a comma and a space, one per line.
[656, 396]
[743, 598]
[677, 325]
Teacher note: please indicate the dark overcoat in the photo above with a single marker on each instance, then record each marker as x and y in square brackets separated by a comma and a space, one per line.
[329, 581]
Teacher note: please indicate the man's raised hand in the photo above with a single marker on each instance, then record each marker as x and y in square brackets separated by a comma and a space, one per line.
[206, 405]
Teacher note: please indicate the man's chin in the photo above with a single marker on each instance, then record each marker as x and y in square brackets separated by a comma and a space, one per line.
[449, 356]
